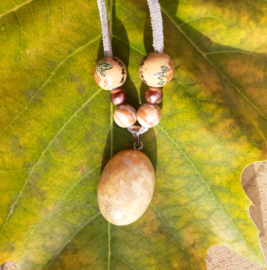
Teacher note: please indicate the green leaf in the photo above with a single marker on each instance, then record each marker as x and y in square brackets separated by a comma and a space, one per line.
[57, 133]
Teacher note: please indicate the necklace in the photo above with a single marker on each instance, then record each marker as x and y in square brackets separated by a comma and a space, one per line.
[127, 182]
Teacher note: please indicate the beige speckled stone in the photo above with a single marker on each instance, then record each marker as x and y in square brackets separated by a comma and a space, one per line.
[156, 69]
[126, 187]
[110, 73]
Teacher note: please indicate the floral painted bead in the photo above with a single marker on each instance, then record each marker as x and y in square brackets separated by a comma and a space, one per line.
[125, 115]
[110, 73]
[156, 69]
[149, 115]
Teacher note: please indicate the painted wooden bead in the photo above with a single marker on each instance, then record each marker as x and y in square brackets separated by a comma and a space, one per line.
[125, 115]
[110, 73]
[118, 97]
[153, 95]
[149, 115]
[126, 187]
[156, 69]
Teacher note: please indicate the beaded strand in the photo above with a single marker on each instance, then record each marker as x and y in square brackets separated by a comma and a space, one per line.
[127, 182]
[156, 70]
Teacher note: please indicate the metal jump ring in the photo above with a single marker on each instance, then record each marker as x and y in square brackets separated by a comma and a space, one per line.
[138, 148]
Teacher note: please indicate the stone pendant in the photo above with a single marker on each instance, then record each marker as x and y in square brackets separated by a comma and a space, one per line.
[126, 187]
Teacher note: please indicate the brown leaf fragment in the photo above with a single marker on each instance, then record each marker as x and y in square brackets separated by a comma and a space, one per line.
[223, 258]
[254, 182]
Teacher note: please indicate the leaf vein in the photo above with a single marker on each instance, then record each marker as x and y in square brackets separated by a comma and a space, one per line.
[49, 79]
[15, 8]
[42, 155]
[86, 223]
[211, 63]
[205, 183]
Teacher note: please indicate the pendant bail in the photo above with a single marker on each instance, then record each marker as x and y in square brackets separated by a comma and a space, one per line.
[137, 132]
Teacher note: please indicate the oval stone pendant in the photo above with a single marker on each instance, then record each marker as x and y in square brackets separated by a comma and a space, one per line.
[126, 187]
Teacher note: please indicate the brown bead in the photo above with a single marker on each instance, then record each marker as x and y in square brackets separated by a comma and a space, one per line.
[149, 115]
[156, 69]
[125, 115]
[153, 95]
[110, 73]
[118, 96]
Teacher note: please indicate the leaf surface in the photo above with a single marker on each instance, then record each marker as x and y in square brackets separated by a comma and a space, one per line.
[57, 133]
